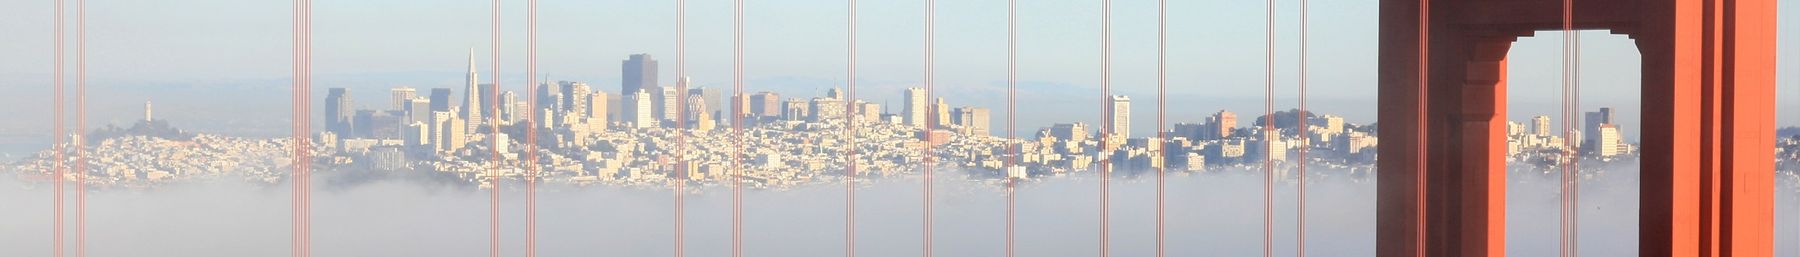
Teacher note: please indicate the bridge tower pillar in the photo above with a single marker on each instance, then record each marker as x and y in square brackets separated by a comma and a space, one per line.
[1708, 114]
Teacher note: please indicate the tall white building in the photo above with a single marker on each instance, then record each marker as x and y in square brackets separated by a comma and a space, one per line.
[642, 105]
[472, 105]
[509, 113]
[939, 113]
[1120, 116]
[668, 101]
[1609, 142]
[148, 115]
[914, 114]
[1592, 127]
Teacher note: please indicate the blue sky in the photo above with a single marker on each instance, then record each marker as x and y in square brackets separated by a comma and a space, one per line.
[796, 47]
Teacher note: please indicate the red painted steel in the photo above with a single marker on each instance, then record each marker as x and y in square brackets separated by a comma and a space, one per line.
[494, 132]
[1707, 109]
[681, 163]
[530, 162]
[1305, 137]
[58, 149]
[737, 129]
[1012, 87]
[1162, 85]
[927, 159]
[850, 114]
[80, 142]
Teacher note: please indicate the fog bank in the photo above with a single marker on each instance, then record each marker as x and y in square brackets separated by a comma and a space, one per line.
[1207, 215]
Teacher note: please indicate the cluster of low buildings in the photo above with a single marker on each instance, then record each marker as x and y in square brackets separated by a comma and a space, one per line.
[137, 160]
[1598, 138]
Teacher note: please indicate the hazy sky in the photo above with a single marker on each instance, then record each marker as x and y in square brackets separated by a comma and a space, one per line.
[793, 47]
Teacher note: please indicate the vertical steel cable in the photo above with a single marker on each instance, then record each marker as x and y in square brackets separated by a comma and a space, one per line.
[80, 153]
[1270, 133]
[737, 128]
[681, 129]
[1106, 128]
[1575, 166]
[1566, 240]
[58, 149]
[531, 164]
[1422, 177]
[930, 118]
[1012, 84]
[302, 202]
[494, 127]
[1305, 138]
[1162, 43]
[850, 113]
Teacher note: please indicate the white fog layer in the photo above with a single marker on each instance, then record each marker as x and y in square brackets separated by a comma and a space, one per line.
[1207, 215]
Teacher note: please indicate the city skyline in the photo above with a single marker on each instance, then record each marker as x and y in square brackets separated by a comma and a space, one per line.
[1436, 143]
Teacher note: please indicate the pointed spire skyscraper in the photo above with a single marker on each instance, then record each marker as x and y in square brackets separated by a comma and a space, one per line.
[472, 106]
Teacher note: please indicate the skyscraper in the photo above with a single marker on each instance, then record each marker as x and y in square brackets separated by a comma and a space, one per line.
[1540, 125]
[822, 109]
[740, 107]
[455, 134]
[509, 112]
[440, 123]
[696, 110]
[1333, 124]
[766, 104]
[1220, 125]
[713, 102]
[1608, 141]
[666, 100]
[1593, 123]
[339, 111]
[402, 95]
[1514, 128]
[940, 113]
[972, 120]
[472, 100]
[417, 134]
[914, 112]
[1069, 131]
[574, 96]
[869, 111]
[418, 110]
[795, 109]
[546, 94]
[374, 124]
[638, 72]
[440, 99]
[640, 115]
[1119, 115]
[596, 107]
